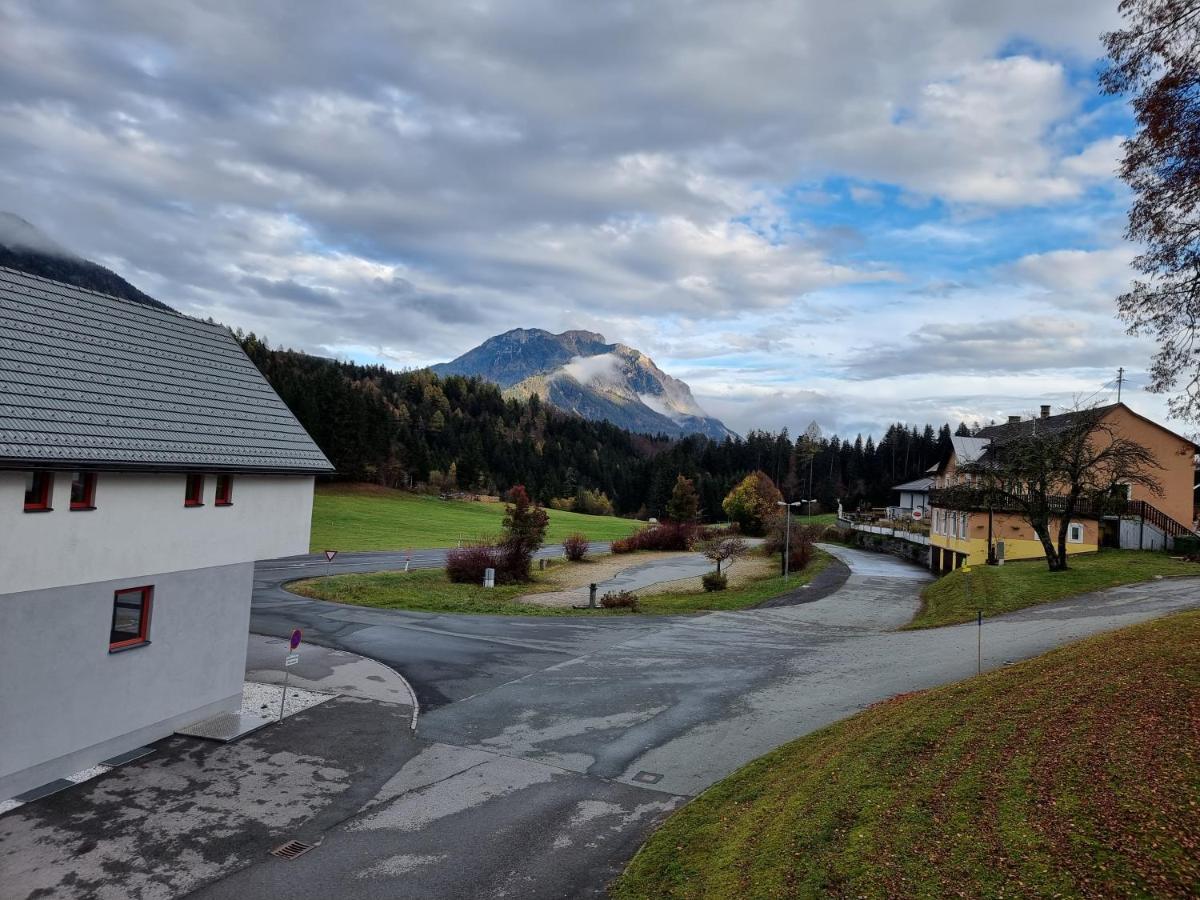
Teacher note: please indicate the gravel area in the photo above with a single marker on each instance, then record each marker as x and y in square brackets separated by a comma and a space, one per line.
[263, 699]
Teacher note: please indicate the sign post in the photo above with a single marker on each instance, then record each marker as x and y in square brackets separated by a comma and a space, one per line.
[290, 660]
[329, 555]
[407, 559]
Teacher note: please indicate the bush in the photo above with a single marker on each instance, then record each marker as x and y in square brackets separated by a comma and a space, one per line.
[714, 581]
[833, 534]
[524, 530]
[465, 565]
[575, 547]
[620, 600]
[800, 545]
[564, 504]
[592, 503]
[671, 536]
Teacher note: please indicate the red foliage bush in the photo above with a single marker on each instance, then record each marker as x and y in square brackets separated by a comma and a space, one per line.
[465, 565]
[575, 547]
[800, 546]
[619, 600]
[673, 536]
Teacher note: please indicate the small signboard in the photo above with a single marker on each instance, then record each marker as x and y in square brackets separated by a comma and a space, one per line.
[917, 515]
[329, 555]
[297, 634]
[291, 659]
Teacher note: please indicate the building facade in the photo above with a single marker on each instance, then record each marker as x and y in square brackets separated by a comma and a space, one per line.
[1148, 520]
[145, 464]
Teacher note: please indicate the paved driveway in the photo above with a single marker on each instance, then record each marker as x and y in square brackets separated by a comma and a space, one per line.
[548, 749]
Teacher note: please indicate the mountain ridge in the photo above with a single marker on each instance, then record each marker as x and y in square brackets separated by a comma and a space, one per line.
[580, 372]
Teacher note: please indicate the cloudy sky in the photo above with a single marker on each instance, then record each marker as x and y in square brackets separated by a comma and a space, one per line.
[855, 212]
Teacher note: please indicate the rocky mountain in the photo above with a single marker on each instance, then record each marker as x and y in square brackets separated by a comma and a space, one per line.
[578, 371]
[26, 248]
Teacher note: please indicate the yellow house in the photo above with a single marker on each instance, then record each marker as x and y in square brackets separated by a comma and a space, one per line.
[1148, 521]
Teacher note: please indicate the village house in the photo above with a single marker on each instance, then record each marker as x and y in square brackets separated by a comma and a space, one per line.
[1145, 520]
[145, 464]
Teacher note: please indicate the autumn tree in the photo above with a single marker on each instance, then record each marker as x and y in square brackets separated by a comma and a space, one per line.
[752, 502]
[1048, 475]
[524, 531]
[723, 549]
[1155, 58]
[684, 505]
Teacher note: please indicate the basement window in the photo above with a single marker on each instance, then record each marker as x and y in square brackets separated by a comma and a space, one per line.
[83, 490]
[224, 490]
[193, 493]
[1075, 533]
[131, 618]
[39, 487]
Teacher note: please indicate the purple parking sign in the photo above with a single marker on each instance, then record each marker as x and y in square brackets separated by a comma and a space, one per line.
[296, 635]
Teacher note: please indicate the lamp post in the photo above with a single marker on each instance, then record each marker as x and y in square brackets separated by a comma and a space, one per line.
[787, 535]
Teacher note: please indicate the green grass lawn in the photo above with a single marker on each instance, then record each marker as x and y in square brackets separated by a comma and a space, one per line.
[821, 519]
[365, 517]
[1075, 774]
[1015, 585]
[746, 595]
[429, 590]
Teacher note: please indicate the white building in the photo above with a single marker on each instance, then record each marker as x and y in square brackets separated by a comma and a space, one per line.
[145, 464]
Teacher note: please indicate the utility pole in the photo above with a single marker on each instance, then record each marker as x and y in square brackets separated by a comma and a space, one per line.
[1120, 381]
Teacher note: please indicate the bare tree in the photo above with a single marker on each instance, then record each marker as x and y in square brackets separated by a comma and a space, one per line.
[723, 549]
[1054, 474]
[1156, 58]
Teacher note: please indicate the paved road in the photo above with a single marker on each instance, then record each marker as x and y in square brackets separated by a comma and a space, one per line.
[552, 747]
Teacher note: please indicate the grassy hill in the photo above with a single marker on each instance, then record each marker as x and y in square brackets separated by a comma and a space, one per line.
[366, 517]
[1015, 585]
[1075, 774]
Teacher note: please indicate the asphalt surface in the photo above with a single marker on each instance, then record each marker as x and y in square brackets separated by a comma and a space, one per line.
[547, 750]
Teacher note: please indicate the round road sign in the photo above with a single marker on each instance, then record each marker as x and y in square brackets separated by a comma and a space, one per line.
[296, 635]
[917, 515]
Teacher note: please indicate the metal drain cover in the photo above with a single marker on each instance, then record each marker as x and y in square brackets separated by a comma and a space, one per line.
[291, 849]
[648, 777]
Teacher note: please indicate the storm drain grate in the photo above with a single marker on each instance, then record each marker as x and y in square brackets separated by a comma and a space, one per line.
[648, 777]
[291, 849]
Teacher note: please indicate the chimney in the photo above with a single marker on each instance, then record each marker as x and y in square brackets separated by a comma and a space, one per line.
[1013, 420]
[1045, 410]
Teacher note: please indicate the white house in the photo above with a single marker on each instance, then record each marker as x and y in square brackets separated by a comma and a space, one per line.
[145, 464]
[914, 495]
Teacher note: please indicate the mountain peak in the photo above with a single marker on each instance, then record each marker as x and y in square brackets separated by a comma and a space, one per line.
[579, 372]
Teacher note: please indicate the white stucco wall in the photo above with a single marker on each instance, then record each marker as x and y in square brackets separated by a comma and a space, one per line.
[66, 702]
[140, 526]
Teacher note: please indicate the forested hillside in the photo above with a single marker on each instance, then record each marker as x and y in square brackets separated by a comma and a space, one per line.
[401, 428]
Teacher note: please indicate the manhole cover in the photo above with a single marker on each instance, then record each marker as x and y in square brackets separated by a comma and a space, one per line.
[291, 849]
[648, 777]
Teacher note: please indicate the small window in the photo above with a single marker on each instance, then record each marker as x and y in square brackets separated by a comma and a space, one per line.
[224, 490]
[131, 618]
[1075, 533]
[83, 490]
[194, 491]
[39, 487]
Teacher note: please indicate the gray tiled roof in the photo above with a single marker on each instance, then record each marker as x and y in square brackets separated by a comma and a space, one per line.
[918, 485]
[90, 379]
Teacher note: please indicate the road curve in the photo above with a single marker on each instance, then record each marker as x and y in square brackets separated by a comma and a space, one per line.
[549, 748]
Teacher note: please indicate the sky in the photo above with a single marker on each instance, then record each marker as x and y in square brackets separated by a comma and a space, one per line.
[853, 213]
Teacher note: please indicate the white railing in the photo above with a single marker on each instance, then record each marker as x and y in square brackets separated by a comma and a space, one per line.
[913, 537]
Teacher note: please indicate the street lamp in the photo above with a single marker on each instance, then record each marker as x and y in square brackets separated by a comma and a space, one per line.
[787, 535]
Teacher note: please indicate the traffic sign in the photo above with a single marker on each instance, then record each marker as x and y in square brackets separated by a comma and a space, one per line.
[291, 659]
[917, 515]
[329, 555]
[297, 634]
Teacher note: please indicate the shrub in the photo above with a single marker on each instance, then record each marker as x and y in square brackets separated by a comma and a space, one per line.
[563, 504]
[592, 503]
[575, 547]
[714, 581]
[465, 565]
[620, 600]
[524, 530]
[672, 536]
[800, 545]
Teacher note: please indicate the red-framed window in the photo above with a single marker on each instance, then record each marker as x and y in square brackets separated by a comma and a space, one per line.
[193, 492]
[224, 490]
[83, 490]
[131, 618]
[39, 491]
